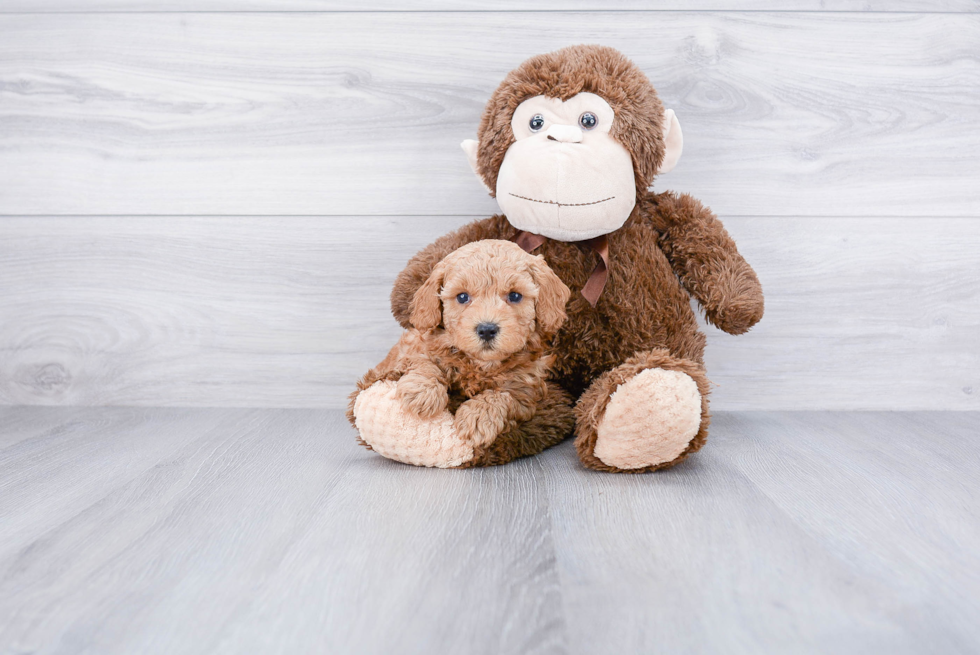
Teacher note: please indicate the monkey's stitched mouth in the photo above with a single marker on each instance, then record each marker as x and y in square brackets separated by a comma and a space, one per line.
[563, 204]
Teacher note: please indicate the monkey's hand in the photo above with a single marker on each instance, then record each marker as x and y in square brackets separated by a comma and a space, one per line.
[482, 418]
[421, 394]
[735, 302]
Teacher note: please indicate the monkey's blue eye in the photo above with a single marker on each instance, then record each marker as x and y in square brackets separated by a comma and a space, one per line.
[537, 122]
[463, 298]
[588, 120]
[514, 297]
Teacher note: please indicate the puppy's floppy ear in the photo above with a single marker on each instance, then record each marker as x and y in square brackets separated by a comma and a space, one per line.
[425, 310]
[552, 296]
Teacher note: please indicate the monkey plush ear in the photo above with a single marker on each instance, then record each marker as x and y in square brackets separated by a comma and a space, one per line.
[673, 139]
[425, 310]
[470, 147]
[552, 296]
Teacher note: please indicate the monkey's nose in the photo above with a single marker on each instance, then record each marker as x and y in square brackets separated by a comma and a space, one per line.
[565, 133]
[487, 331]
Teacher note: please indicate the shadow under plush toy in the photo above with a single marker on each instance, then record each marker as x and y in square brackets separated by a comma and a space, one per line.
[568, 144]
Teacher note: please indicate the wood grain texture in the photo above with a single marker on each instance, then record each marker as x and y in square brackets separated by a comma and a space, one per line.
[350, 113]
[803, 532]
[288, 312]
[90, 6]
[270, 531]
[214, 531]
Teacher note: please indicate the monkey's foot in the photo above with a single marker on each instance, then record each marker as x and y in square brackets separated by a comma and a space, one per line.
[649, 420]
[388, 428]
[647, 414]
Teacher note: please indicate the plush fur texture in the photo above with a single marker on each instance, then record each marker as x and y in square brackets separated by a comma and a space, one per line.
[591, 408]
[552, 422]
[491, 383]
[651, 417]
[568, 72]
[670, 249]
[386, 426]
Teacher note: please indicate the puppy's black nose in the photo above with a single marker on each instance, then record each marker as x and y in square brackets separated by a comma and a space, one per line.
[487, 331]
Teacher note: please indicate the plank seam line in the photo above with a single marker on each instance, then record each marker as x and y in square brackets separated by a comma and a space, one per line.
[722, 216]
[501, 12]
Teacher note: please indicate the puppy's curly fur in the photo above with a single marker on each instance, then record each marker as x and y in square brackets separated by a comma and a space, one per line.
[494, 382]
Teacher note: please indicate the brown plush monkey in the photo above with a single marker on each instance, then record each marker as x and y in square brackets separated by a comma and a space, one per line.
[568, 144]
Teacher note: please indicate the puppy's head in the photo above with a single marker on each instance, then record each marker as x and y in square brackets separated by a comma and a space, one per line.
[491, 297]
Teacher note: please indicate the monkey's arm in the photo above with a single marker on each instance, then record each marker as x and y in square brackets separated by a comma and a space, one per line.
[706, 260]
[418, 268]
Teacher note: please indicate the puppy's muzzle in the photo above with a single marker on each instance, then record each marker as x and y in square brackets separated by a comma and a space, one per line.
[487, 331]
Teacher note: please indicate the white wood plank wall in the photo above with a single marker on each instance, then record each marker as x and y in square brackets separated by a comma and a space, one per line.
[206, 203]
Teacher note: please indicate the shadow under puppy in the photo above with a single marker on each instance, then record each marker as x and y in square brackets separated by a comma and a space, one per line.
[481, 326]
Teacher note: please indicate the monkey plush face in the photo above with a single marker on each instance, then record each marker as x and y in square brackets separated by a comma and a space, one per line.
[564, 176]
[570, 139]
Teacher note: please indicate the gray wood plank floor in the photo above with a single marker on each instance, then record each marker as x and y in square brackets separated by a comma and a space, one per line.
[246, 530]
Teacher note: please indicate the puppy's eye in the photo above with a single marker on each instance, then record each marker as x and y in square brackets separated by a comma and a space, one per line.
[514, 297]
[536, 123]
[588, 120]
[463, 298]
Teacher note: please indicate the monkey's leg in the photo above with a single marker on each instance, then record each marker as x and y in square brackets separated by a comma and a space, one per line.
[553, 421]
[386, 427]
[649, 413]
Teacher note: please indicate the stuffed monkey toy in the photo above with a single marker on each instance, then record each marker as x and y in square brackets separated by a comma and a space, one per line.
[569, 144]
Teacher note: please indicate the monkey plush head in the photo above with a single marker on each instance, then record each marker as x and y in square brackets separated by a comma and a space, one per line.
[570, 139]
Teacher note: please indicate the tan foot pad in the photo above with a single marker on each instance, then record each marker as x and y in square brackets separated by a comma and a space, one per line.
[649, 420]
[398, 434]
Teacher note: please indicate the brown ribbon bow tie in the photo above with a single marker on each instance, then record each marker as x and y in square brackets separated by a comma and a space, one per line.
[529, 242]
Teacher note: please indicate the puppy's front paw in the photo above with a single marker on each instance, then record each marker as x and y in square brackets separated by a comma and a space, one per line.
[426, 398]
[477, 422]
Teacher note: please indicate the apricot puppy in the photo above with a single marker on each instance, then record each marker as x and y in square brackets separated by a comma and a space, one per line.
[480, 326]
